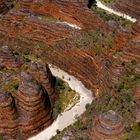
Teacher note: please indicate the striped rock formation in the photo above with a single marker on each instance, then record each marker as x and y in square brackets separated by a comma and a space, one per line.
[74, 12]
[32, 31]
[8, 116]
[7, 58]
[26, 5]
[130, 54]
[136, 33]
[3, 7]
[130, 7]
[108, 126]
[33, 106]
[43, 75]
[27, 108]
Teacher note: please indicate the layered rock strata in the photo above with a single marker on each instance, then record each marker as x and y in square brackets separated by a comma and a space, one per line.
[8, 116]
[27, 112]
[33, 105]
[130, 7]
[32, 30]
[26, 5]
[73, 12]
[3, 7]
[108, 126]
[24, 102]
[7, 58]
[43, 75]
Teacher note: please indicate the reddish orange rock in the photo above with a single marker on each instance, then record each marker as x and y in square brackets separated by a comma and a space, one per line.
[25, 5]
[7, 58]
[8, 116]
[130, 7]
[44, 76]
[108, 126]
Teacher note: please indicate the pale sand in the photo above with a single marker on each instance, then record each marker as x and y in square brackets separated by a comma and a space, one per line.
[69, 117]
[102, 6]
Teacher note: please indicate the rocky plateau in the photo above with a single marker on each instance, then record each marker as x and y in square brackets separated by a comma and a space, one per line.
[104, 56]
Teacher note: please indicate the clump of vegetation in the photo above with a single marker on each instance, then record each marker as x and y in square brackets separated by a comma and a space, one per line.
[132, 132]
[67, 97]
[10, 84]
[122, 22]
[108, 3]
[119, 99]
[28, 57]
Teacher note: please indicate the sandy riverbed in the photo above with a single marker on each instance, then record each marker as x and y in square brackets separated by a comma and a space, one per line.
[68, 117]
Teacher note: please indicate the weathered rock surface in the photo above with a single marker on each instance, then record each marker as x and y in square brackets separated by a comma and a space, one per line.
[73, 12]
[8, 116]
[33, 105]
[136, 33]
[108, 126]
[5, 6]
[27, 112]
[44, 76]
[28, 30]
[130, 7]
[24, 101]
[26, 5]
[7, 58]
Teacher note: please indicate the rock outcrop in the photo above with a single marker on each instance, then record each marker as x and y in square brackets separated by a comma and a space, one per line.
[108, 126]
[73, 12]
[33, 105]
[26, 5]
[7, 58]
[5, 6]
[25, 107]
[136, 33]
[8, 116]
[26, 112]
[44, 76]
[130, 7]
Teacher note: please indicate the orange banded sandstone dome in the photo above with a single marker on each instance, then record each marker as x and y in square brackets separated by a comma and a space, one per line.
[108, 126]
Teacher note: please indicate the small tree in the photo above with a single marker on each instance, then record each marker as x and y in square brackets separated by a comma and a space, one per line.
[92, 3]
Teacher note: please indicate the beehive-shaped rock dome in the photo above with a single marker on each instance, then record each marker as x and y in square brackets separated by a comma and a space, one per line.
[108, 126]
[33, 105]
[8, 116]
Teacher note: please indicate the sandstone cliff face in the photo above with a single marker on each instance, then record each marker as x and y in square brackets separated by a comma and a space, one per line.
[5, 6]
[25, 107]
[25, 5]
[32, 30]
[136, 33]
[108, 126]
[33, 105]
[130, 7]
[73, 12]
[43, 75]
[7, 59]
[8, 116]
